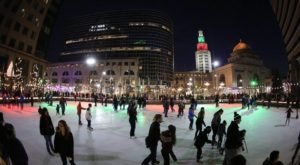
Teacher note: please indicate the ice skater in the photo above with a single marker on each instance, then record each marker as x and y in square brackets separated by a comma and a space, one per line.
[131, 111]
[200, 122]
[57, 109]
[191, 116]
[215, 123]
[201, 139]
[221, 133]
[88, 116]
[79, 108]
[181, 107]
[288, 116]
[296, 151]
[47, 130]
[168, 140]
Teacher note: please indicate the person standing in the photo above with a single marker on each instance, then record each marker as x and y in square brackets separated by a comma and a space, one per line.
[215, 124]
[31, 100]
[172, 104]
[115, 103]
[79, 108]
[22, 100]
[63, 143]
[181, 107]
[191, 116]
[15, 149]
[166, 106]
[152, 140]
[131, 111]
[168, 140]
[269, 101]
[63, 104]
[272, 159]
[217, 100]
[47, 130]
[234, 140]
[88, 116]
[221, 133]
[288, 116]
[95, 99]
[57, 109]
[200, 122]
[201, 139]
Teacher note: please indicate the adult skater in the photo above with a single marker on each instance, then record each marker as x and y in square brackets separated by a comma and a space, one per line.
[63, 104]
[201, 139]
[216, 121]
[47, 130]
[88, 116]
[200, 122]
[131, 111]
[297, 149]
[166, 106]
[181, 107]
[172, 103]
[217, 100]
[288, 116]
[152, 140]
[79, 108]
[221, 133]
[168, 140]
[64, 143]
[234, 140]
[191, 116]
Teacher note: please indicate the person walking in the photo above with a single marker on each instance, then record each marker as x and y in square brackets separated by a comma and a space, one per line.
[200, 122]
[31, 100]
[234, 140]
[88, 116]
[115, 103]
[168, 140]
[215, 124]
[201, 139]
[79, 108]
[131, 111]
[64, 143]
[191, 116]
[47, 130]
[269, 101]
[288, 116]
[152, 140]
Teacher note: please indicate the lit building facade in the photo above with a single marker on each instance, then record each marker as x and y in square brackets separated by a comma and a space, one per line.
[112, 77]
[244, 72]
[143, 34]
[203, 55]
[25, 28]
[288, 15]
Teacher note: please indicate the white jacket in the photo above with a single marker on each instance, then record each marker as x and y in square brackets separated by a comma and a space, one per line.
[88, 114]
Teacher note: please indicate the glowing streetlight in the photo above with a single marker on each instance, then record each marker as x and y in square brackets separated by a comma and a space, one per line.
[216, 64]
[90, 61]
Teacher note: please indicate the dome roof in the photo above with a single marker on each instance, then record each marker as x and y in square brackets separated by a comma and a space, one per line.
[240, 46]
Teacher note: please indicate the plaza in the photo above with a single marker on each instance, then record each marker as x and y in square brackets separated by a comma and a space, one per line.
[109, 143]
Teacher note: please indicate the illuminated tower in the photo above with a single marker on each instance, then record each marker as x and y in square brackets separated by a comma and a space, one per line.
[203, 56]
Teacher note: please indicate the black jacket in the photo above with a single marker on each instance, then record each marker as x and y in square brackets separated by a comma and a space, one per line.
[166, 141]
[63, 144]
[154, 134]
[234, 136]
[201, 139]
[17, 152]
[199, 123]
[46, 125]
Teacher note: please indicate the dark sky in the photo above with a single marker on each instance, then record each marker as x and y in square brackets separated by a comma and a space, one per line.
[224, 23]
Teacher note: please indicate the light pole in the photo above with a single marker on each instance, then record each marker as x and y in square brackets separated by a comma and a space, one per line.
[90, 61]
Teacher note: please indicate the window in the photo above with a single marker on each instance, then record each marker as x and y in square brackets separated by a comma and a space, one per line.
[126, 63]
[12, 42]
[3, 39]
[21, 46]
[78, 73]
[17, 26]
[107, 63]
[65, 73]
[54, 73]
[120, 63]
[32, 35]
[113, 63]
[25, 31]
[29, 49]
[93, 72]
[132, 63]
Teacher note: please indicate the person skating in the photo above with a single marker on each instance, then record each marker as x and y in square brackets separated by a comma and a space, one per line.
[168, 140]
[95, 99]
[115, 103]
[63, 104]
[57, 109]
[88, 117]
[273, 159]
[234, 140]
[221, 133]
[200, 122]
[216, 121]
[172, 104]
[201, 139]
[64, 143]
[297, 107]
[152, 140]
[131, 111]
[47, 130]
[191, 116]
[166, 106]
[288, 116]
[181, 107]
[296, 151]
[217, 100]
[79, 108]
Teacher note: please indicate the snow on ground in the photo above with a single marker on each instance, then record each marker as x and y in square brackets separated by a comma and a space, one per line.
[109, 143]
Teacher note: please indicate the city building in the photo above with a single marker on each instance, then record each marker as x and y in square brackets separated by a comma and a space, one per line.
[203, 55]
[25, 28]
[244, 72]
[143, 34]
[288, 15]
[117, 76]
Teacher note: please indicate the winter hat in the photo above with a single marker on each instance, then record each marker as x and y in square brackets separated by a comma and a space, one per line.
[207, 129]
[237, 117]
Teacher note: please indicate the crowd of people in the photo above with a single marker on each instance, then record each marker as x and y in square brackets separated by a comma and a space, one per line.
[229, 141]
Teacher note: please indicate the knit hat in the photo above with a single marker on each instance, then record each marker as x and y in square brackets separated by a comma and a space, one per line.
[237, 117]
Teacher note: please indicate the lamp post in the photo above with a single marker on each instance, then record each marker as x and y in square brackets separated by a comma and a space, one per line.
[90, 62]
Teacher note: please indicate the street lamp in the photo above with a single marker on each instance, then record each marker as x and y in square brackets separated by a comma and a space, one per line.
[90, 62]
[216, 64]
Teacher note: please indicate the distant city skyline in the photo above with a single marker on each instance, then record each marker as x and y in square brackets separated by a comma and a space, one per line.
[223, 24]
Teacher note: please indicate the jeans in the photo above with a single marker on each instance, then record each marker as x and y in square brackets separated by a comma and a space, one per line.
[230, 153]
[166, 157]
[89, 123]
[166, 112]
[132, 126]
[79, 119]
[63, 158]
[215, 131]
[152, 156]
[49, 143]
[199, 152]
[191, 123]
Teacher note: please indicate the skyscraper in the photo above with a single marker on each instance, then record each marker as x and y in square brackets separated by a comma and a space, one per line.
[203, 56]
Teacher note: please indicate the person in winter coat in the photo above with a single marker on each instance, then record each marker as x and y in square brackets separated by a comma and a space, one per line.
[234, 140]
[288, 116]
[57, 109]
[152, 140]
[272, 159]
[79, 108]
[168, 140]
[238, 160]
[88, 117]
[296, 150]
[191, 116]
[63, 104]
[47, 130]
[166, 106]
[181, 107]
[15, 149]
[221, 133]
[200, 122]
[131, 111]
[216, 121]
[201, 139]
[115, 103]
[63, 143]
[172, 103]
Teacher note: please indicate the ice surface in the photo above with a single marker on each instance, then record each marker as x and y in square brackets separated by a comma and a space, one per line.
[109, 143]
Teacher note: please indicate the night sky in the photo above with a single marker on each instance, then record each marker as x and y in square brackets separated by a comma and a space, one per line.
[224, 23]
